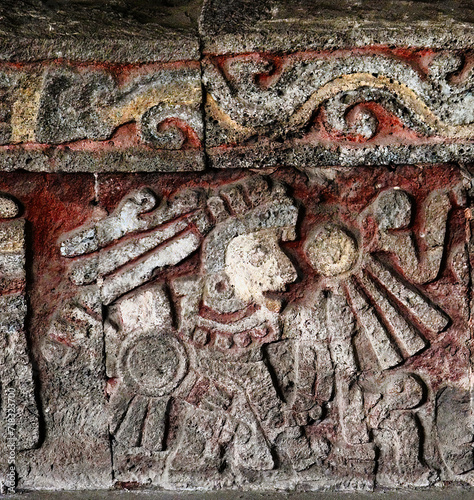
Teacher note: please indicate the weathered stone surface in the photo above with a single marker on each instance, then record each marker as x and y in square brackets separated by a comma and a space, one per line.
[71, 447]
[99, 30]
[311, 83]
[391, 85]
[279, 26]
[19, 416]
[453, 493]
[374, 105]
[8, 207]
[117, 117]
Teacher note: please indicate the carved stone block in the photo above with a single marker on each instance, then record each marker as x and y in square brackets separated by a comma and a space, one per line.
[95, 118]
[370, 106]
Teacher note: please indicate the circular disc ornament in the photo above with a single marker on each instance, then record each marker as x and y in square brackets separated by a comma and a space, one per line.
[153, 364]
[330, 250]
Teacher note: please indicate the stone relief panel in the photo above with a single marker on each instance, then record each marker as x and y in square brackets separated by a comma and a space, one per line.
[66, 347]
[253, 331]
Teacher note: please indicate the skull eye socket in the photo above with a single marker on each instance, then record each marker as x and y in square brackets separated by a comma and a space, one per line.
[221, 286]
[257, 255]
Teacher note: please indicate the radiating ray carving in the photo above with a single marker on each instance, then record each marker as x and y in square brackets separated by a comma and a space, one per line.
[388, 311]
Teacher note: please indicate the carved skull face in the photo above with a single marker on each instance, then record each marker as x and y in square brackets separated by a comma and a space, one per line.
[256, 264]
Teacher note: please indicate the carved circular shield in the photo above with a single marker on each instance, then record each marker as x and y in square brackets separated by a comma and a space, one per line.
[331, 250]
[153, 364]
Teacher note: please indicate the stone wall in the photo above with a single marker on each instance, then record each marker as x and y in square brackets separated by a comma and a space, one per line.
[235, 244]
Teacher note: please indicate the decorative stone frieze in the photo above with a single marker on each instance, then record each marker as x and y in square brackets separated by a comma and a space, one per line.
[236, 245]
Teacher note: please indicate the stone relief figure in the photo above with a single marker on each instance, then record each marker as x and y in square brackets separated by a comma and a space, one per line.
[209, 356]
[228, 320]
[211, 378]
